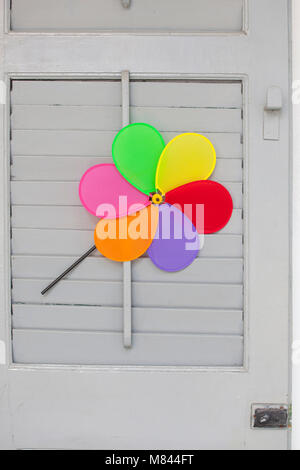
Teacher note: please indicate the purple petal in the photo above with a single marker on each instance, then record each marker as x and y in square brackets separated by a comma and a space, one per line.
[176, 243]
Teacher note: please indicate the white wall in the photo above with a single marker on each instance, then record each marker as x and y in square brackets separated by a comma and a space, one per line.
[296, 210]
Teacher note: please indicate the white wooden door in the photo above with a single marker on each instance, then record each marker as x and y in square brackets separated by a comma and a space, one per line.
[210, 344]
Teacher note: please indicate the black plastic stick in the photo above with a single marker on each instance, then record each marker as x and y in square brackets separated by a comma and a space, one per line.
[67, 271]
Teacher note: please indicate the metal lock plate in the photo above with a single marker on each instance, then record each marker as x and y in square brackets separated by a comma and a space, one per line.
[270, 416]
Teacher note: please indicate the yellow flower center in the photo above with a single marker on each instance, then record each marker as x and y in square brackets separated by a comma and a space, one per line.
[157, 198]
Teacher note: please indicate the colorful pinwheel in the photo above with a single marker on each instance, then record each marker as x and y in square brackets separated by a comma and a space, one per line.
[155, 197]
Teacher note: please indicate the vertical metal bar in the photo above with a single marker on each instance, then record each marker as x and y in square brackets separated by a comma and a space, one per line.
[127, 316]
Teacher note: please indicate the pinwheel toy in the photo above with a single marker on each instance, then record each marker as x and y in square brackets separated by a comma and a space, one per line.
[150, 199]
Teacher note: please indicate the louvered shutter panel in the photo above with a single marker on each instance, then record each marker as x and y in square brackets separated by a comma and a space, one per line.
[160, 16]
[190, 318]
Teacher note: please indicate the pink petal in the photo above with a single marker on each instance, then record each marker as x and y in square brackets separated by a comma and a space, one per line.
[106, 194]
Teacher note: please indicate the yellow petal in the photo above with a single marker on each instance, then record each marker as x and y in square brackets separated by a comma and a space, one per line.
[187, 158]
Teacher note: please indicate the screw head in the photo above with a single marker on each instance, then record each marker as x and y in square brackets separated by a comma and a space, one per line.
[157, 198]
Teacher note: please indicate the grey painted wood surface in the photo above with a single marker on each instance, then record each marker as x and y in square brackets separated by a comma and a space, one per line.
[98, 143]
[98, 268]
[142, 93]
[77, 218]
[109, 319]
[144, 294]
[72, 168]
[54, 427]
[127, 266]
[147, 349]
[45, 204]
[74, 242]
[109, 118]
[158, 15]
[65, 193]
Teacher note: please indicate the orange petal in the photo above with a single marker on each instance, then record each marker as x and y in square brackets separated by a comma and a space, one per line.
[127, 238]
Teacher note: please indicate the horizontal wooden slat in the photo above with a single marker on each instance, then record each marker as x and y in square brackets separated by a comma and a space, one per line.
[74, 243]
[103, 118]
[144, 294]
[193, 94]
[144, 320]
[66, 193]
[156, 16]
[51, 242]
[60, 143]
[190, 119]
[78, 218]
[98, 144]
[67, 347]
[110, 118]
[47, 193]
[72, 168]
[95, 268]
[222, 246]
[235, 224]
[62, 217]
[53, 168]
[66, 92]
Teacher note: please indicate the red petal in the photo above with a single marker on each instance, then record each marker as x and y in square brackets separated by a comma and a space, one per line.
[216, 199]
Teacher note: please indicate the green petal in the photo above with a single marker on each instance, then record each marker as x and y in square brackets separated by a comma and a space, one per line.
[136, 151]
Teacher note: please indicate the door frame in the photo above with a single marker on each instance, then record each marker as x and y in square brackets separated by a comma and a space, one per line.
[243, 79]
[25, 41]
